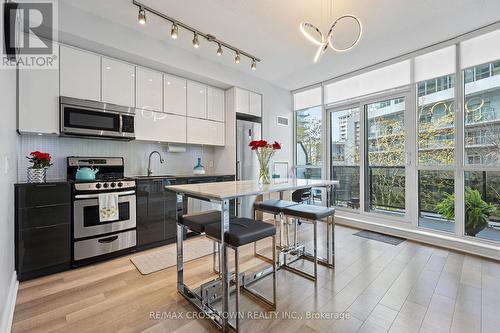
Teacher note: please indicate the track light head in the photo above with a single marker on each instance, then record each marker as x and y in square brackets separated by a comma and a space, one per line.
[174, 31]
[196, 42]
[219, 50]
[237, 58]
[142, 16]
[254, 65]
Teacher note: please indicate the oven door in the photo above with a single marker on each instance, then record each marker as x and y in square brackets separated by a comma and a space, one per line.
[86, 215]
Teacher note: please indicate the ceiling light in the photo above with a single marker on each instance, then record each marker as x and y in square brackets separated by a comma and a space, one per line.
[174, 31]
[196, 42]
[254, 65]
[237, 58]
[142, 16]
[219, 50]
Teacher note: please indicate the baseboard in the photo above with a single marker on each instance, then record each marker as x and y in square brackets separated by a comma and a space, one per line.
[10, 304]
[471, 246]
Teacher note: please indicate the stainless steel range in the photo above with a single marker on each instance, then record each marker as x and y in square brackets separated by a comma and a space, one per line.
[93, 239]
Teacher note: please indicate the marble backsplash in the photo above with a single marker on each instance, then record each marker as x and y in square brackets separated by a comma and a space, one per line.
[135, 154]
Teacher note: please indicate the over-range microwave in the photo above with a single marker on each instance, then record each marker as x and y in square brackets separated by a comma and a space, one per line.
[96, 119]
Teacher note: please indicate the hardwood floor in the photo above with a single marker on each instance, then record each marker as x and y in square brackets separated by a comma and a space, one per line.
[378, 287]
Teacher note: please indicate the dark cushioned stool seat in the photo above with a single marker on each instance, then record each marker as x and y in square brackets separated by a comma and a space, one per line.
[309, 212]
[275, 206]
[197, 222]
[242, 231]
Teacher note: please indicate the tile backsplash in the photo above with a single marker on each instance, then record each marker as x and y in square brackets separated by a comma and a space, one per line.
[135, 154]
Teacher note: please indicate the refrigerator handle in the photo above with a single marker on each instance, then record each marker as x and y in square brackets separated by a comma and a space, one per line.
[238, 173]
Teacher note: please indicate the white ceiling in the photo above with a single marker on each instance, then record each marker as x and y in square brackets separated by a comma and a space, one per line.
[269, 30]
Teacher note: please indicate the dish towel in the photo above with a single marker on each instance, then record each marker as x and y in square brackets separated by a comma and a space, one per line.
[108, 207]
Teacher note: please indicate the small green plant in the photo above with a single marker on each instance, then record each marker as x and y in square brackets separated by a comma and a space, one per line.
[477, 211]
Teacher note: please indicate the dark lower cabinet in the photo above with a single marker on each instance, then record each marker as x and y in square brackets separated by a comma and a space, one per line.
[42, 229]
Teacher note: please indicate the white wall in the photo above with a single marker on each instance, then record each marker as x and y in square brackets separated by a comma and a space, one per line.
[8, 147]
[94, 33]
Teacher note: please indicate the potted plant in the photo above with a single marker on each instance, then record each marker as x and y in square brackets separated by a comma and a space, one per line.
[477, 211]
[37, 173]
[264, 153]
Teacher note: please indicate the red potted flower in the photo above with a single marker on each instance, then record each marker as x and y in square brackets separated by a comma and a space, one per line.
[264, 151]
[37, 173]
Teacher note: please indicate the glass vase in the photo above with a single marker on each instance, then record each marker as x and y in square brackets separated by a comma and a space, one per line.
[264, 178]
[37, 175]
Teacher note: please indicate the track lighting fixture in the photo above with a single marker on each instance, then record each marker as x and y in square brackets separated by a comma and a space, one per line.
[174, 34]
[174, 31]
[196, 42]
[142, 16]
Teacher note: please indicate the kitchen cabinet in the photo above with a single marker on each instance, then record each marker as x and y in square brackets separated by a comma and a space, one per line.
[205, 132]
[158, 126]
[42, 229]
[148, 89]
[156, 212]
[38, 101]
[215, 107]
[80, 73]
[242, 101]
[255, 104]
[174, 94]
[118, 82]
[196, 100]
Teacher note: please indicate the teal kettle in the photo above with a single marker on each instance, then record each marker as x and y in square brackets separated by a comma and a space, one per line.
[86, 174]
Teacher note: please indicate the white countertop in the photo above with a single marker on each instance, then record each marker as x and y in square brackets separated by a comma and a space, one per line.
[235, 189]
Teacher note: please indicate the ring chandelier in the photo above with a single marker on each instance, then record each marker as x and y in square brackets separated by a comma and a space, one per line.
[196, 34]
[325, 42]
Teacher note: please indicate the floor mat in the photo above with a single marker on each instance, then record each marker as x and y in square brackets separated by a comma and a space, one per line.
[393, 240]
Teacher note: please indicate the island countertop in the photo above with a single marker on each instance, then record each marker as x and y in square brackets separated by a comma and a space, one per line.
[237, 189]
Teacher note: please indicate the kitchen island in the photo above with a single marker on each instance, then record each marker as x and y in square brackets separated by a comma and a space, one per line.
[222, 193]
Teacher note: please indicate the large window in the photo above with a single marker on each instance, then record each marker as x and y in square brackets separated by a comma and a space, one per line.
[436, 149]
[308, 140]
[345, 156]
[385, 141]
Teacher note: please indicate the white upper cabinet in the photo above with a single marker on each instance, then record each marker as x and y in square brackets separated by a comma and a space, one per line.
[255, 104]
[196, 100]
[38, 101]
[80, 74]
[205, 132]
[215, 104]
[149, 89]
[118, 82]
[159, 126]
[242, 100]
[174, 94]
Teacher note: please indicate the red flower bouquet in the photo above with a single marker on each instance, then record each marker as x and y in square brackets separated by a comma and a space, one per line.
[264, 151]
[39, 160]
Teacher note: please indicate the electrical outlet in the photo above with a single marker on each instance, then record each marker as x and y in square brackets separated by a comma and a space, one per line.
[210, 164]
[6, 164]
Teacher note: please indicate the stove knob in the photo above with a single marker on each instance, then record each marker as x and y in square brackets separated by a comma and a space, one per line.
[113, 184]
[120, 184]
[98, 185]
[106, 185]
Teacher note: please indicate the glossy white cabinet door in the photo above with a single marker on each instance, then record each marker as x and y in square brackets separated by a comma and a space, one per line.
[242, 101]
[174, 94]
[205, 132]
[159, 126]
[196, 100]
[38, 101]
[255, 104]
[80, 74]
[118, 82]
[148, 89]
[215, 104]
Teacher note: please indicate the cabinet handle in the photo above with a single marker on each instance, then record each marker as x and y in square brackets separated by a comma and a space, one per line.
[47, 226]
[53, 205]
[45, 185]
[108, 240]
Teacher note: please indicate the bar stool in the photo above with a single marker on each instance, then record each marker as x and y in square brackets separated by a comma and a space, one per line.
[244, 231]
[311, 214]
[275, 207]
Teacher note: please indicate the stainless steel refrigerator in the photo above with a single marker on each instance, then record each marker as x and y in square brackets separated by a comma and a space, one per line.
[247, 166]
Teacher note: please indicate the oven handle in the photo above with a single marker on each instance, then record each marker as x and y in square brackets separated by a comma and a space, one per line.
[94, 196]
[108, 240]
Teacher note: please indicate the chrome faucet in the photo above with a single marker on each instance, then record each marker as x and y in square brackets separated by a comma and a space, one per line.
[150, 172]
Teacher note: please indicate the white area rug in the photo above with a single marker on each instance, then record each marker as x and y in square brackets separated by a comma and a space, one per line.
[165, 258]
